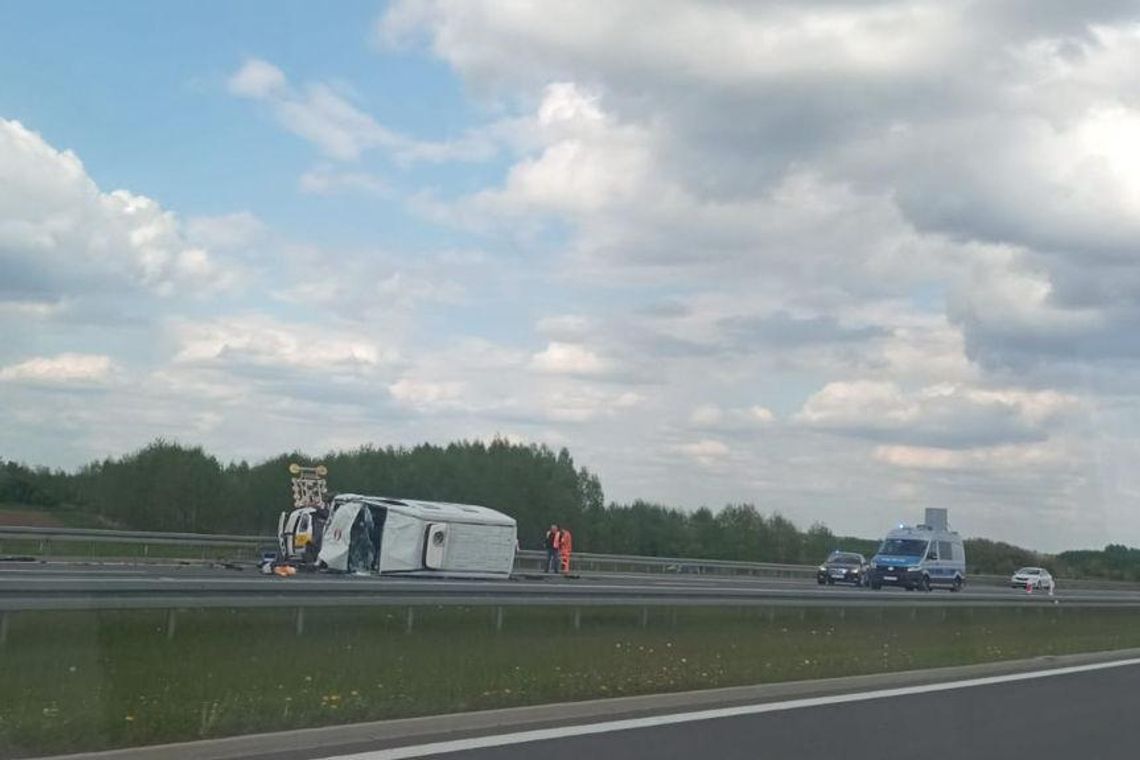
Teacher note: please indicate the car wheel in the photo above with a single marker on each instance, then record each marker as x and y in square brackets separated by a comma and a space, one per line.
[925, 583]
[876, 586]
[820, 581]
[957, 585]
[830, 582]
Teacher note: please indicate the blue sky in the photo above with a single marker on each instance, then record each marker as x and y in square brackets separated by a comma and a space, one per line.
[843, 262]
[139, 92]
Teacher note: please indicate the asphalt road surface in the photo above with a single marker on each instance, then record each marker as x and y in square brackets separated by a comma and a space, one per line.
[1087, 715]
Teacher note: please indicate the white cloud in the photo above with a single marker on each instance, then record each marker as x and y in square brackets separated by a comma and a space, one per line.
[761, 414]
[227, 231]
[993, 457]
[940, 416]
[257, 79]
[426, 393]
[324, 180]
[59, 234]
[341, 130]
[707, 451]
[706, 415]
[62, 369]
[569, 359]
[264, 342]
[565, 327]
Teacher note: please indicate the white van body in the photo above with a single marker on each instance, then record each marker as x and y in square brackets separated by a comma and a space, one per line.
[921, 557]
[421, 537]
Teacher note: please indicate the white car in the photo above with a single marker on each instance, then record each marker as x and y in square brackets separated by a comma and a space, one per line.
[1036, 578]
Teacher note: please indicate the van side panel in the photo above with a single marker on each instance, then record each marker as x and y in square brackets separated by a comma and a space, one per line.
[480, 548]
[402, 545]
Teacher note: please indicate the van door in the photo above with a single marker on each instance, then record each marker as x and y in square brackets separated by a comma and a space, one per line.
[435, 546]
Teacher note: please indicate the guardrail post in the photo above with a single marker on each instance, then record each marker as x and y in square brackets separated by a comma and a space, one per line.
[644, 617]
[498, 618]
[299, 621]
[411, 620]
[171, 623]
[146, 550]
[4, 617]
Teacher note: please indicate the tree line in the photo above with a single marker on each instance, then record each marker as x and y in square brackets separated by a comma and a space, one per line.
[171, 487]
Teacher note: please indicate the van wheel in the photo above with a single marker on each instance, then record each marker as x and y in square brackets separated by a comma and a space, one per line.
[875, 585]
[924, 584]
[957, 585]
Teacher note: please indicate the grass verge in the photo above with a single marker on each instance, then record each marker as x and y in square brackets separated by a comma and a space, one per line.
[85, 681]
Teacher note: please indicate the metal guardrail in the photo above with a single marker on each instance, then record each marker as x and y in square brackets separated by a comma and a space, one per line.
[99, 535]
[526, 559]
[617, 563]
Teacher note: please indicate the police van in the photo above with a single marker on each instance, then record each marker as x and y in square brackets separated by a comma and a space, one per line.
[921, 557]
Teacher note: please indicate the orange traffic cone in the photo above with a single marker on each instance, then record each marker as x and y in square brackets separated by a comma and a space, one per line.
[1029, 588]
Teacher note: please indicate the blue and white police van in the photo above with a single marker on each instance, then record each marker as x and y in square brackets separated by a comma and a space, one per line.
[921, 557]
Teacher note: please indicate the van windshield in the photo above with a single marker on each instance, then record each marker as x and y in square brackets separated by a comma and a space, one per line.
[908, 547]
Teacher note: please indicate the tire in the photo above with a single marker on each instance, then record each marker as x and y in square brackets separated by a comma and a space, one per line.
[875, 585]
[830, 582]
[820, 581]
[924, 584]
[957, 585]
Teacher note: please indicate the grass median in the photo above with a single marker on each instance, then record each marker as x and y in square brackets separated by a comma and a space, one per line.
[82, 681]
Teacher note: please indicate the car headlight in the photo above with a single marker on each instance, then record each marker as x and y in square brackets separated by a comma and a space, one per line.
[855, 570]
[914, 568]
[823, 568]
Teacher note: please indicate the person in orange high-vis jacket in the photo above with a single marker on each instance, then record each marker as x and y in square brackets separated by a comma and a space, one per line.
[565, 546]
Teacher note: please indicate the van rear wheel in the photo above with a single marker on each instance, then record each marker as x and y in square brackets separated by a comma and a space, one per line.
[957, 585]
[924, 584]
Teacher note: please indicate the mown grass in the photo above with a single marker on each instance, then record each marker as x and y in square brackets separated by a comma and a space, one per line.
[82, 681]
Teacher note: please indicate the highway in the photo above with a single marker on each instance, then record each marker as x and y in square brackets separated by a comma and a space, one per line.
[32, 585]
[1087, 712]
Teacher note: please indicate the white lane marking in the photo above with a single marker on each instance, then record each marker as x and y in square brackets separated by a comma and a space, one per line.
[537, 735]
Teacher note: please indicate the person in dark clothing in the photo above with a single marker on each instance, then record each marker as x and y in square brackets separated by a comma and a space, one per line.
[550, 543]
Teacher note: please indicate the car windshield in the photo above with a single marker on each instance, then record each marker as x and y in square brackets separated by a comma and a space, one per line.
[1029, 571]
[903, 547]
[843, 559]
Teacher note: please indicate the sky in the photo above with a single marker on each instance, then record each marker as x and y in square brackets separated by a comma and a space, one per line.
[840, 260]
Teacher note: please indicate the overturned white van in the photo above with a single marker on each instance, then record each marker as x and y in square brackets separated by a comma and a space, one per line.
[376, 534]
